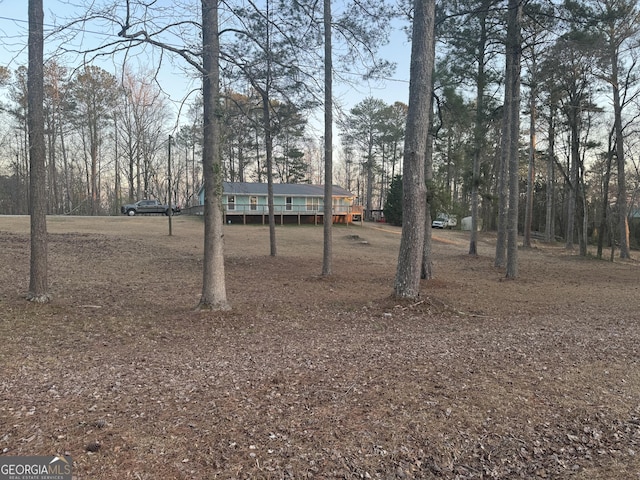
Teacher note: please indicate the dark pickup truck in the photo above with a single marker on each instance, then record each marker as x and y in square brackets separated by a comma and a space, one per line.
[143, 207]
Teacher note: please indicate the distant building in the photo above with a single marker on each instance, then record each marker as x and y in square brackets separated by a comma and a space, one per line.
[246, 203]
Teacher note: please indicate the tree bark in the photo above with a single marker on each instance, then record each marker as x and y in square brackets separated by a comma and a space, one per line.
[583, 213]
[514, 54]
[427, 250]
[574, 119]
[214, 296]
[620, 156]
[531, 172]
[268, 140]
[549, 232]
[38, 275]
[407, 283]
[328, 144]
[117, 188]
[503, 174]
[605, 201]
[478, 135]
[369, 166]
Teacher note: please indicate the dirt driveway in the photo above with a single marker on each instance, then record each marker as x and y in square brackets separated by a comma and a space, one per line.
[312, 377]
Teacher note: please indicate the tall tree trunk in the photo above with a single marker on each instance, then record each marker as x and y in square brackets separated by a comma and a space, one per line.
[268, 140]
[407, 283]
[93, 153]
[117, 188]
[620, 156]
[139, 191]
[582, 211]
[26, 165]
[369, 193]
[146, 164]
[427, 250]
[87, 170]
[503, 172]
[214, 294]
[572, 183]
[605, 200]
[478, 135]
[328, 143]
[514, 54]
[549, 232]
[68, 204]
[531, 171]
[38, 277]
[131, 177]
[187, 201]
[54, 203]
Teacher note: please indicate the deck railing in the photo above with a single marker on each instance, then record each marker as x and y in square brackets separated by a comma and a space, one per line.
[248, 209]
[230, 209]
[264, 209]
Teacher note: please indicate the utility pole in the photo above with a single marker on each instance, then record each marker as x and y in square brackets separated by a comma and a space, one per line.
[170, 211]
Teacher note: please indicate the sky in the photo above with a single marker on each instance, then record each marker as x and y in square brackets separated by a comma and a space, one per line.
[172, 79]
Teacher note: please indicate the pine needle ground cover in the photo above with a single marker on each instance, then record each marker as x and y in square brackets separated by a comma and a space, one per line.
[312, 377]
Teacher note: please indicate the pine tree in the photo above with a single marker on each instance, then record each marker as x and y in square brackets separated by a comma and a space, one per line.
[407, 282]
[38, 283]
[393, 204]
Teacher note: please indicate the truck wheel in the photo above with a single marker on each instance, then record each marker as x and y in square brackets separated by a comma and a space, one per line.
[131, 213]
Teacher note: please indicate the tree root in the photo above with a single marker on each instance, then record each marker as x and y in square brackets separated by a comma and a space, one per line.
[35, 298]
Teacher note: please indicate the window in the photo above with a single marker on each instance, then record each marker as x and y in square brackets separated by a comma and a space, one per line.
[289, 202]
[231, 202]
[253, 202]
[313, 203]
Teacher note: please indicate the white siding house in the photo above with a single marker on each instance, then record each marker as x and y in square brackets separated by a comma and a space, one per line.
[246, 202]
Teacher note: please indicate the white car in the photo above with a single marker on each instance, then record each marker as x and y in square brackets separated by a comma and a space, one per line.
[444, 222]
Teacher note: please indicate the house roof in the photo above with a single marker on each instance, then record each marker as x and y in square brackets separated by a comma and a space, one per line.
[282, 189]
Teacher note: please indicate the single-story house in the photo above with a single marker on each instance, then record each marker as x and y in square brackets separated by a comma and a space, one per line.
[246, 202]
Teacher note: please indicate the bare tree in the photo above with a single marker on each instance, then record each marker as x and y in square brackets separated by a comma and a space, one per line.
[407, 282]
[539, 23]
[362, 127]
[93, 95]
[618, 25]
[55, 88]
[473, 29]
[137, 25]
[269, 52]
[38, 278]
[18, 111]
[509, 140]
[141, 117]
[360, 29]
[214, 295]
[514, 55]
[427, 251]
[328, 142]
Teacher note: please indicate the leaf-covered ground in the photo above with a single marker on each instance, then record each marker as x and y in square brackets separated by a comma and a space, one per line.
[312, 377]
